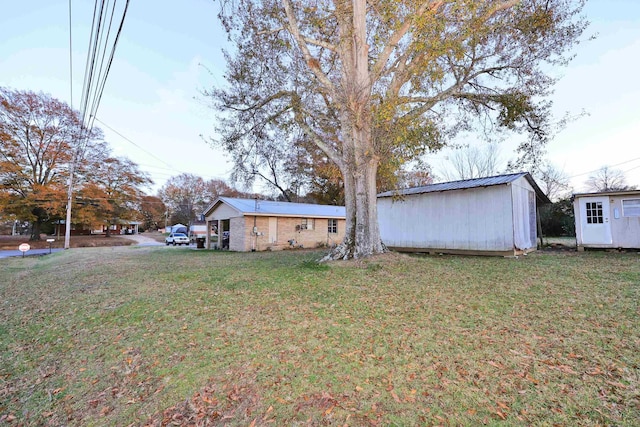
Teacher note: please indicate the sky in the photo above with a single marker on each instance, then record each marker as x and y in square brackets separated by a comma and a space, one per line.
[153, 111]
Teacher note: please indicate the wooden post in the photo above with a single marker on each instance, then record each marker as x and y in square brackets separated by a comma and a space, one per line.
[539, 225]
[208, 225]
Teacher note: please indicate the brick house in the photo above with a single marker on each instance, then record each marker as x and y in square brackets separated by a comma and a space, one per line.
[121, 227]
[258, 225]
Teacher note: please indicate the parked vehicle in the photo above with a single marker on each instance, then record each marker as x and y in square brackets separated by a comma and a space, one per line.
[176, 239]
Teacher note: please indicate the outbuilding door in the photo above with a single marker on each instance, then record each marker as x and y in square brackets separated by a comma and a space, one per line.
[273, 229]
[595, 224]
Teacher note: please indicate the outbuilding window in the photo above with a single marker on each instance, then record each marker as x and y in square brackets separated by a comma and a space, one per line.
[333, 226]
[631, 207]
[594, 213]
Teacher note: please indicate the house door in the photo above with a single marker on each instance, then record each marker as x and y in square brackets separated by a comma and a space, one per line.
[273, 230]
[596, 228]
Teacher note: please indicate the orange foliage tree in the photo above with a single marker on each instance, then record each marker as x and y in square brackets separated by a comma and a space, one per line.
[110, 192]
[39, 136]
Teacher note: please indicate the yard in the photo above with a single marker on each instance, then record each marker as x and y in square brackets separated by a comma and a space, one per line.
[149, 336]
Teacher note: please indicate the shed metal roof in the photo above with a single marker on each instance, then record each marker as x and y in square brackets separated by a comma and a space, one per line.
[468, 184]
[272, 208]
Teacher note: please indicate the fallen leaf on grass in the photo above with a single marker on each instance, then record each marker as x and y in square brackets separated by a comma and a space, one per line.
[8, 418]
[566, 369]
[616, 384]
[596, 371]
[502, 405]
[530, 378]
[500, 414]
[495, 365]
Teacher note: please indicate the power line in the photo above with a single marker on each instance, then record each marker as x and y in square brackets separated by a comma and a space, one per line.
[131, 142]
[96, 69]
[110, 62]
[98, 41]
[169, 167]
[613, 166]
[70, 60]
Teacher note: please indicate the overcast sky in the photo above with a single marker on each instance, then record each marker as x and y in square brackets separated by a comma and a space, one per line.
[169, 51]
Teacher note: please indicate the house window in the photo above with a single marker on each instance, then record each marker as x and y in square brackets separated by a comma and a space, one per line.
[306, 224]
[333, 226]
[594, 213]
[631, 207]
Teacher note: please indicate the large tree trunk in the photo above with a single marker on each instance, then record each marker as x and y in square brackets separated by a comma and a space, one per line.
[362, 232]
[35, 230]
[40, 215]
[360, 162]
[367, 231]
[359, 170]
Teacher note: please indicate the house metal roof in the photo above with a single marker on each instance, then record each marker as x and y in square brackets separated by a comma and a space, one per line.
[468, 184]
[272, 208]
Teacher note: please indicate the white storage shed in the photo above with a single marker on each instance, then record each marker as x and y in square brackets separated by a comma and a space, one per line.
[486, 216]
[607, 219]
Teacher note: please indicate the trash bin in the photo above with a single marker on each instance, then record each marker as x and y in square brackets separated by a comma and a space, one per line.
[200, 242]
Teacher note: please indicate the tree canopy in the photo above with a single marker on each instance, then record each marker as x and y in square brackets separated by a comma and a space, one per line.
[39, 136]
[111, 192]
[377, 84]
[607, 179]
[187, 195]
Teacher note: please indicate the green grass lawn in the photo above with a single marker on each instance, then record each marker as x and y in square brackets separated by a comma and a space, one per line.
[154, 336]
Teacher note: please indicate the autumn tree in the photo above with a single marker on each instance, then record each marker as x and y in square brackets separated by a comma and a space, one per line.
[417, 177]
[38, 138]
[152, 210]
[186, 196]
[325, 185]
[607, 179]
[111, 192]
[369, 81]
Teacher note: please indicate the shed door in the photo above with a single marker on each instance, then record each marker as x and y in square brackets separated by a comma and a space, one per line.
[596, 228]
[273, 230]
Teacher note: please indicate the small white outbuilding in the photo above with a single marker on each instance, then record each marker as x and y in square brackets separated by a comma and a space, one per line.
[607, 219]
[486, 216]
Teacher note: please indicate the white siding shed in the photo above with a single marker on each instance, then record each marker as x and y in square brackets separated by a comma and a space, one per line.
[488, 216]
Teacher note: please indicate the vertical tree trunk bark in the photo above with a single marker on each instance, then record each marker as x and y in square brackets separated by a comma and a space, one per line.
[360, 166]
[35, 230]
[367, 230]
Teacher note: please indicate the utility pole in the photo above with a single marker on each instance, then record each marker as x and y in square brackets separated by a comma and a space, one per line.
[67, 224]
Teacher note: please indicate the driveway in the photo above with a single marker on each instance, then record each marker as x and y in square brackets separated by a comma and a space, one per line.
[142, 240]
